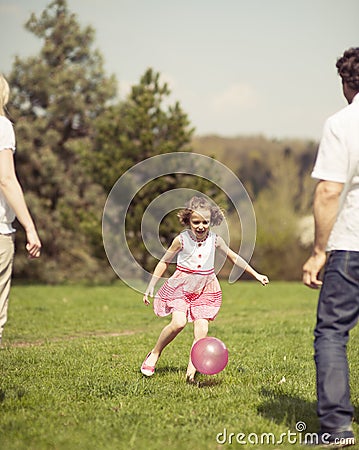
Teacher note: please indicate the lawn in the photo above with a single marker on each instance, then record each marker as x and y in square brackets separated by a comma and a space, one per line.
[70, 380]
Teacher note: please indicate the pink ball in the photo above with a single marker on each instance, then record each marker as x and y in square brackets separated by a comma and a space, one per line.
[209, 355]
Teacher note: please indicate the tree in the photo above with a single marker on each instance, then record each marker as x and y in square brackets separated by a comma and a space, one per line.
[278, 250]
[138, 128]
[143, 126]
[56, 97]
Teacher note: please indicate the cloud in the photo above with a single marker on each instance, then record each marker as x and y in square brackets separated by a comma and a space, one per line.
[9, 9]
[234, 110]
[124, 88]
[236, 97]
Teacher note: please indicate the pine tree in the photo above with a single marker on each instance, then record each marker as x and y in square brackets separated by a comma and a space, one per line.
[56, 97]
[143, 126]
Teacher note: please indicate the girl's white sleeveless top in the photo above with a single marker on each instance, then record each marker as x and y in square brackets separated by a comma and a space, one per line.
[196, 256]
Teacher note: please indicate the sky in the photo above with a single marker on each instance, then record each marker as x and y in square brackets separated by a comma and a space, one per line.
[237, 67]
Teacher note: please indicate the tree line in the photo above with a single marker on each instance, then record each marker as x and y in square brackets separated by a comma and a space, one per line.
[75, 138]
[276, 175]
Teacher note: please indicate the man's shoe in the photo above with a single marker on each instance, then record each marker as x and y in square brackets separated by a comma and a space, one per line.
[332, 439]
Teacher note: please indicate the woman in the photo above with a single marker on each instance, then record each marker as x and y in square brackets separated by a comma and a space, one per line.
[12, 204]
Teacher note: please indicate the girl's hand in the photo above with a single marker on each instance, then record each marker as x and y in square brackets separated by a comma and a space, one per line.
[262, 279]
[148, 293]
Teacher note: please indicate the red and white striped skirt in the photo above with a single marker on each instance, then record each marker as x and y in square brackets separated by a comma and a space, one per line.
[199, 296]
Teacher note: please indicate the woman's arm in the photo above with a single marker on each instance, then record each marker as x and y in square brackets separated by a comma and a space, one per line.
[13, 193]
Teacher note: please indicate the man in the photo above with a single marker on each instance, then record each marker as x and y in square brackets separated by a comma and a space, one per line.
[336, 247]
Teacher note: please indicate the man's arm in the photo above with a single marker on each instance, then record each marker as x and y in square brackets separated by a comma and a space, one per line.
[325, 210]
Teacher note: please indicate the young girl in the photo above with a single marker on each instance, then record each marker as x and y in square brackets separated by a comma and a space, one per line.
[193, 292]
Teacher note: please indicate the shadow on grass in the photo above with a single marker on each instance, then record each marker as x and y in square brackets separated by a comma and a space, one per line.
[209, 383]
[170, 369]
[201, 383]
[288, 409]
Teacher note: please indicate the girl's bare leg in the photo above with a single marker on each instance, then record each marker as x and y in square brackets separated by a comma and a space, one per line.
[167, 335]
[200, 330]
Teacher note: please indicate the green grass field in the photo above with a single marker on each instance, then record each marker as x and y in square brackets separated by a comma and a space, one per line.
[70, 380]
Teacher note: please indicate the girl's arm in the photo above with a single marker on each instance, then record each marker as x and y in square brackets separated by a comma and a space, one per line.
[240, 262]
[161, 267]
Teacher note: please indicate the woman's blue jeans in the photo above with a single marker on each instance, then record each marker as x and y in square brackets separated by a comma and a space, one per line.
[337, 314]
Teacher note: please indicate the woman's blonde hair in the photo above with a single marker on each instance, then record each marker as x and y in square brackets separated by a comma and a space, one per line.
[4, 94]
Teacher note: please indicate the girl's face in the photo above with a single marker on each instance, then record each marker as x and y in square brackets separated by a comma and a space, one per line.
[199, 222]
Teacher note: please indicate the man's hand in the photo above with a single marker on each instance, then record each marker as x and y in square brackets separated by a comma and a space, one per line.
[311, 270]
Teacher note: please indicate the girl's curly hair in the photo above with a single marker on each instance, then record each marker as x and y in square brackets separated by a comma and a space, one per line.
[348, 67]
[198, 203]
